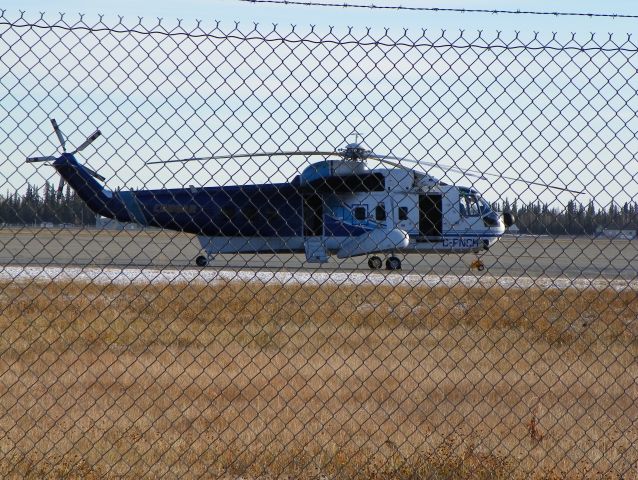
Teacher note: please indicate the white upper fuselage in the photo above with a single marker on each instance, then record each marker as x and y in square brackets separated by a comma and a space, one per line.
[460, 228]
[409, 212]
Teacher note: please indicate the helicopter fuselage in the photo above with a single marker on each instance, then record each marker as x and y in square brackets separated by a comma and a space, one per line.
[333, 207]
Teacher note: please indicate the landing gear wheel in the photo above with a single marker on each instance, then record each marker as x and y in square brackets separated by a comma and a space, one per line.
[201, 261]
[393, 263]
[375, 263]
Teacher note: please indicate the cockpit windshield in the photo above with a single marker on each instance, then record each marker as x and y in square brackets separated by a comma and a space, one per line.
[472, 205]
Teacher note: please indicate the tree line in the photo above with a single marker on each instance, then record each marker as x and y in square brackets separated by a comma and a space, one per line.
[45, 204]
[575, 218]
[48, 204]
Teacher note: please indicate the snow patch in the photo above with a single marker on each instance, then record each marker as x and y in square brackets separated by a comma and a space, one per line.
[145, 276]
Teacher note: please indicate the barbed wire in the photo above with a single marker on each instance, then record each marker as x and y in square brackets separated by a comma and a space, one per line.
[439, 9]
[313, 36]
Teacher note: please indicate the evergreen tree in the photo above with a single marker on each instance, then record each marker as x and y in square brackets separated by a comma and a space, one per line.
[33, 208]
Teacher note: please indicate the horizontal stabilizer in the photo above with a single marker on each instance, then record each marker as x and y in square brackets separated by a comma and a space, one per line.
[41, 159]
[95, 174]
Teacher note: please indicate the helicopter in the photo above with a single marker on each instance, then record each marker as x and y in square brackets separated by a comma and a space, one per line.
[336, 206]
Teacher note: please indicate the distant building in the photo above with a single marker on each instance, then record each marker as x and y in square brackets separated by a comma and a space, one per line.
[110, 224]
[513, 230]
[619, 234]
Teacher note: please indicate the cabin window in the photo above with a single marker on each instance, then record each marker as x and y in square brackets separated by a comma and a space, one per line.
[379, 212]
[403, 213]
[360, 212]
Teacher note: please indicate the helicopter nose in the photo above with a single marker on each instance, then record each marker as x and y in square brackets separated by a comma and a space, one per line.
[508, 219]
[491, 220]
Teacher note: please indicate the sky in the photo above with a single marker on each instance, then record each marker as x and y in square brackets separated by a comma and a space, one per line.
[137, 118]
[232, 10]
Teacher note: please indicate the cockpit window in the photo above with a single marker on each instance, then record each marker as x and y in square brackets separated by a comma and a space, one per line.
[470, 206]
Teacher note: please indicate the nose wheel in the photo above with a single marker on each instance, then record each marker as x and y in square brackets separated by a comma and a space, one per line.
[208, 251]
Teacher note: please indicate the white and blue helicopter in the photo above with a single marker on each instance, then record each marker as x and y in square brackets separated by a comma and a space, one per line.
[337, 206]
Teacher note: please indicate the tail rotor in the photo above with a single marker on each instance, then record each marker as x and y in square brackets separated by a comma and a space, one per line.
[50, 159]
[58, 132]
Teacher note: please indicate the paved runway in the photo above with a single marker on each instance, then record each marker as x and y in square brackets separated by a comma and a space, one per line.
[515, 256]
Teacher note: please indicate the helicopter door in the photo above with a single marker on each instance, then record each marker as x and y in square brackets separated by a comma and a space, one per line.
[430, 215]
[313, 216]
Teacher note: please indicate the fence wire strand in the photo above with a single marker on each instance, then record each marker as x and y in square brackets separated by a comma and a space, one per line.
[493, 11]
[316, 252]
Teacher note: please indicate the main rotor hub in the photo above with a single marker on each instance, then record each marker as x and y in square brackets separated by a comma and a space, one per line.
[354, 152]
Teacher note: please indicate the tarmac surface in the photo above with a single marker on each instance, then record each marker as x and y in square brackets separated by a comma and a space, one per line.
[533, 256]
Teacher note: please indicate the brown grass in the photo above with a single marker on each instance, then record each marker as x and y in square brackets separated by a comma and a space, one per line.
[262, 380]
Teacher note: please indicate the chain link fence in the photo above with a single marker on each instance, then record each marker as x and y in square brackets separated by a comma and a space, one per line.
[415, 258]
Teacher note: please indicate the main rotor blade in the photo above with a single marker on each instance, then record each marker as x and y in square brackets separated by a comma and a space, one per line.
[384, 158]
[248, 155]
[541, 184]
[41, 159]
[58, 132]
[89, 140]
[394, 164]
[481, 176]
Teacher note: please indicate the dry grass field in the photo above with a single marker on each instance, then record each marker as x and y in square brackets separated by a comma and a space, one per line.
[255, 380]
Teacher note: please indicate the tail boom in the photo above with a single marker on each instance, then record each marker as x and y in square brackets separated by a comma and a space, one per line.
[98, 198]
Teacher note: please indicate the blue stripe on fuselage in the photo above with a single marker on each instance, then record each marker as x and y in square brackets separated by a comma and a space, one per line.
[338, 228]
